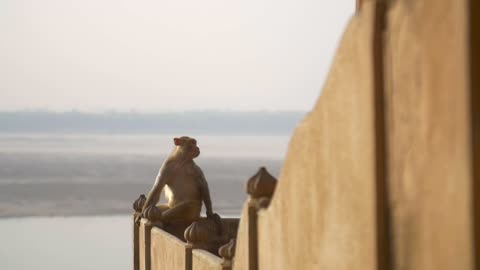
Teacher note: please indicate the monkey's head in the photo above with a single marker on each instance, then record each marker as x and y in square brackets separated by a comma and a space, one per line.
[188, 146]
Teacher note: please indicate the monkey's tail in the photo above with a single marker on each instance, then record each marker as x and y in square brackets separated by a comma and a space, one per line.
[218, 222]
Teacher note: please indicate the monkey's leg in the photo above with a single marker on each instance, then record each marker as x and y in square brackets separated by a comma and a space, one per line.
[184, 211]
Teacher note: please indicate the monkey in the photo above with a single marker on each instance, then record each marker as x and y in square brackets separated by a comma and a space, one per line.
[184, 183]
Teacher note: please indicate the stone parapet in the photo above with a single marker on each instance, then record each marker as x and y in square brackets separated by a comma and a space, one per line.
[160, 246]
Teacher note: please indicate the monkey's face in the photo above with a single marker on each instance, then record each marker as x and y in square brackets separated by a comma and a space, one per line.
[193, 149]
[188, 146]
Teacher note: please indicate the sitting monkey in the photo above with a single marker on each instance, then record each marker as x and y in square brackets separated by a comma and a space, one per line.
[185, 185]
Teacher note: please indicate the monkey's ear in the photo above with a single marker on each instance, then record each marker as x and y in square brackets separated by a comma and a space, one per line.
[177, 141]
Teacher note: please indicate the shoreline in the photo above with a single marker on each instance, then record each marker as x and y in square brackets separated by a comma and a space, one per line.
[84, 215]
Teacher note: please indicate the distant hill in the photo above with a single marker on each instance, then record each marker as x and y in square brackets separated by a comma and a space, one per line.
[204, 122]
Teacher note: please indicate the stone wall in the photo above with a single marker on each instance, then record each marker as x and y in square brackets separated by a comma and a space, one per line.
[381, 173]
[157, 246]
[204, 260]
[429, 129]
[168, 252]
[322, 215]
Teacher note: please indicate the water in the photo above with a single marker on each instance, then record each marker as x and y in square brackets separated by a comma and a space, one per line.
[66, 199]
[66, 243]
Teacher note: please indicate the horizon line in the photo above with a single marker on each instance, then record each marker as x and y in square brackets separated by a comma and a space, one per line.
[112, 111]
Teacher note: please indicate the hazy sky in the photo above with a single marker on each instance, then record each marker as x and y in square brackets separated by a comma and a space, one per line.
[161, 55]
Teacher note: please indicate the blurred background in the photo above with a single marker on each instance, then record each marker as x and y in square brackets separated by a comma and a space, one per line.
[92, 93]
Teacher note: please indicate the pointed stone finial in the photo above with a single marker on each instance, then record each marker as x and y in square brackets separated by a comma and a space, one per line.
[197, 234]
[152, 213]
[262, 184]
[138, 203]
[227, 251]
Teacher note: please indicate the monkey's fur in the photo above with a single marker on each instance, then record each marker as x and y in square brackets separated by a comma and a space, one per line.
[184, 183]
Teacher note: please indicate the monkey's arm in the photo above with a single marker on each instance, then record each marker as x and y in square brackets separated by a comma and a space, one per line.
[208, 203]
[154, 195]
[205, 193]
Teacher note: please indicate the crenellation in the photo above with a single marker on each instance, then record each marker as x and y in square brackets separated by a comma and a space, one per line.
[138, 203]
[227, 252]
